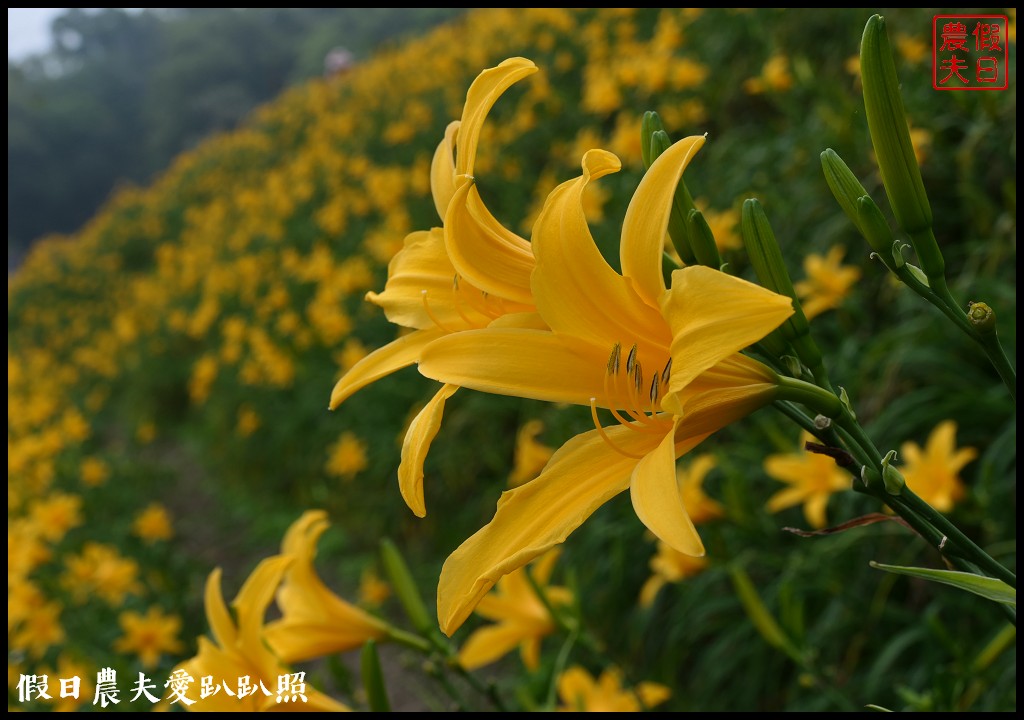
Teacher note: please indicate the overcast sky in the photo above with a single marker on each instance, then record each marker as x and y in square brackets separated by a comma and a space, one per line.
[28, 30]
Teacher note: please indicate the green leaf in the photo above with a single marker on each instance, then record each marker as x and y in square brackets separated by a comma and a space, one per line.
[987, 587]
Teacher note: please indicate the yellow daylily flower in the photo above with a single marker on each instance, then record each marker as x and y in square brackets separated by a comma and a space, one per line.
[700, 507]
[812, 479]
[668, 566]
[239, 651]
[828, 282]
[531, 456]
[149, 636]
[315, 622]
[521, 617]
[933, 472]
[465, 275]
[580, 692]
[605, 329]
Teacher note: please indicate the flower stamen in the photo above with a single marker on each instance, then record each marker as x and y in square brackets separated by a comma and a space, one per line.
[430, 313]
[604, 435]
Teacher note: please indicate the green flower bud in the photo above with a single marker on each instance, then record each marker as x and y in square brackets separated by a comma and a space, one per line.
[649, 124]
[875, 229]
[405, 588]
[845, 186]
[702, 241]
[890, 136]
[766, 257]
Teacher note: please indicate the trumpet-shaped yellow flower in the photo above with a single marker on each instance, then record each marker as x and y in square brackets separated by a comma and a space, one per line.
[668, 566]
[812, 479]
[315, 622]
[933, 472]
[700, 507]
[465, 275]
[521, 617]
[238, 650]
[149, 636]
[663, 361]
[580, 692]
[153, 523]
[55, 514]
[828, 282]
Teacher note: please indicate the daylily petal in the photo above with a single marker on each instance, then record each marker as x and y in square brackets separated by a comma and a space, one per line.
[222, 625]
[652, 694]
[650, 590]
[531, 519]
[529, 651]
[656, 499]
[543, 568]
[251, 605]
[646, 221]
[712, 316]
[510, 361]
[492, 258]
[315, 622]
[298, 640]
[420, 291]
[396, 355]
[575, 289]
[442, 170]
[521, 320]
[489, 643]
[421, 433]
[575, 686]
[483, 93]
[721, 395]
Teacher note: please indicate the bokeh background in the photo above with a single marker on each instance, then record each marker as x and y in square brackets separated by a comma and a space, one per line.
[198, 201]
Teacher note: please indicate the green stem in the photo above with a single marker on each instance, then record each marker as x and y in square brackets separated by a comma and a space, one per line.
[967, 548]
[941, 298]
[816, 398]
[490, 690]
[997, 356]
[415, 642]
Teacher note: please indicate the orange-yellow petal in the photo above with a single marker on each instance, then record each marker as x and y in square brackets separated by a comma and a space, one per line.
[489, 643]
[714, 315]
[518, 362]
[483, 93]
[531, 519]
[656, 499]
[421, 433]
[442, 170]
[421, 292]
[396, 355]
[646, 221]
[574, 288]
[482, 250]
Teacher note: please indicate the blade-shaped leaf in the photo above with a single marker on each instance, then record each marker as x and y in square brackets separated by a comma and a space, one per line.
[978, 584]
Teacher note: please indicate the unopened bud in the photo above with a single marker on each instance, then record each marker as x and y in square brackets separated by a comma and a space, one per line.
[890, 136]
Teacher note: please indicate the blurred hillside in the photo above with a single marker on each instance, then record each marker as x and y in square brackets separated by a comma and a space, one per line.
[121, 93]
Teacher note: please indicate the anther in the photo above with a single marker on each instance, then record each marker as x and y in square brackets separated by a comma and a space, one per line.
[631, 360]
[654, 392]
[666, 373]
[613, 359]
